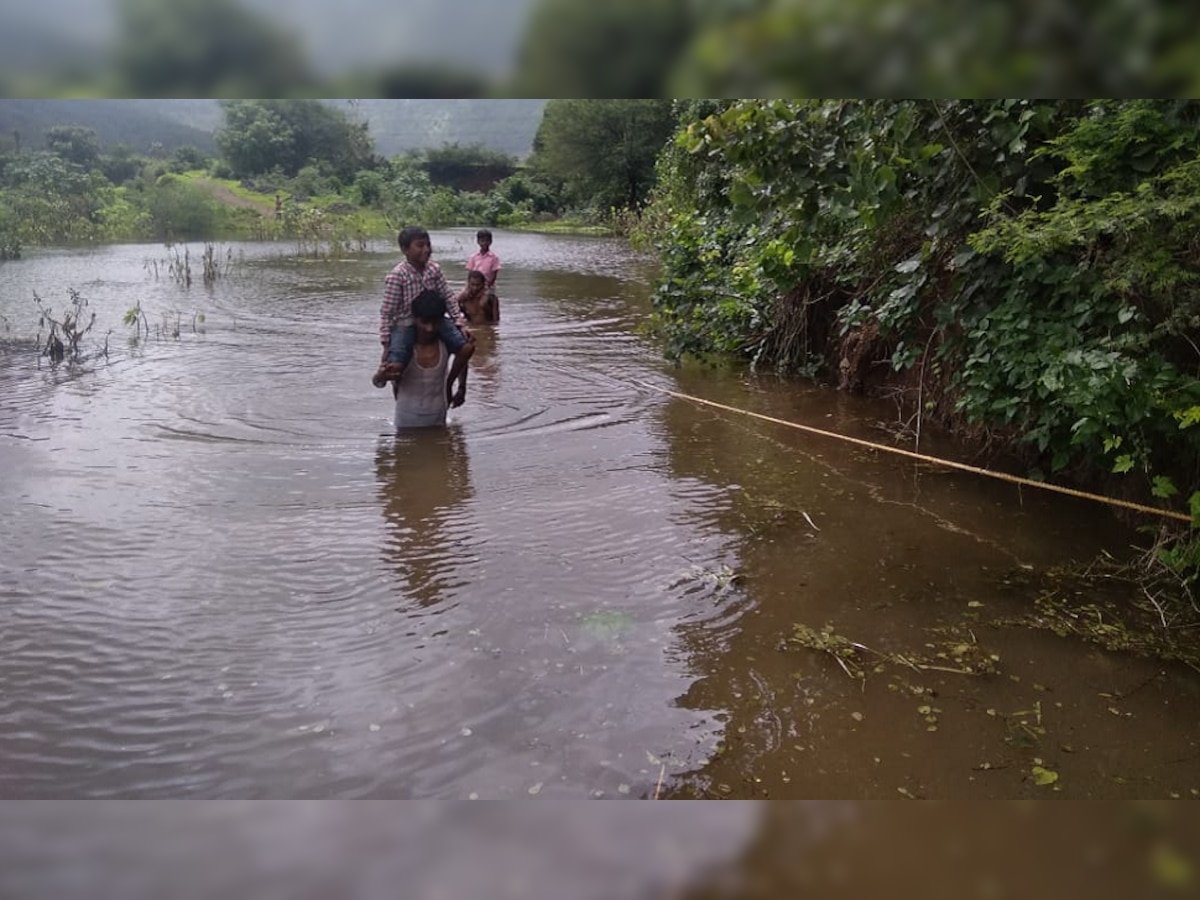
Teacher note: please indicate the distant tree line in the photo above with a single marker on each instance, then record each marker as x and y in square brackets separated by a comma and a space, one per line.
[592, 160]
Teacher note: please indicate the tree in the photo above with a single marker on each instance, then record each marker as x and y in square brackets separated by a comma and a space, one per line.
[119, 165]
[74, 143]
[255, 138]
[52, 200]
[188, 157]
[602, 152]
[260, 135]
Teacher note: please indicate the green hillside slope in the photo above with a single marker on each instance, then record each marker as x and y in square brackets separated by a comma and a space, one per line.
[114, 121]
[396, 125]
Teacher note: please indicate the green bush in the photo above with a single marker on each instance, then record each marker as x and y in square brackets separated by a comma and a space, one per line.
[178, 211]
[369, 187]
[1035, 260]
[220, 169]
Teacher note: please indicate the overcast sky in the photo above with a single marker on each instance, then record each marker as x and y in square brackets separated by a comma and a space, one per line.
[478, 35]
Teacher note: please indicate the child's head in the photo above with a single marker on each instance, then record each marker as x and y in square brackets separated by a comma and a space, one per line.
[414, 244]
[428, 310]
[483, 237]
[475, 281]
[408, 234]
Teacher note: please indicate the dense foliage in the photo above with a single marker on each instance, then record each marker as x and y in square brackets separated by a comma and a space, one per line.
[601, 154]
[262, 135]
[1027, 269]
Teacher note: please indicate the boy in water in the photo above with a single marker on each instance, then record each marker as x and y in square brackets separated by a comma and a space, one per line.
[412, 275]
[425, 390]
[485, 260]
[476, 305]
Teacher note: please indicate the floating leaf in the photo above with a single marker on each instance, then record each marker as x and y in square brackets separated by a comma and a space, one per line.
[1043, 777]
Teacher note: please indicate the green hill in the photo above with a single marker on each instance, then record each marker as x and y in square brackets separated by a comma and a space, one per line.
[114, 121]
[396, 125]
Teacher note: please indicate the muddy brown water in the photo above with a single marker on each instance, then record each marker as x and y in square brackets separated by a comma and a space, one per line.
[741, 850]
[222, 576]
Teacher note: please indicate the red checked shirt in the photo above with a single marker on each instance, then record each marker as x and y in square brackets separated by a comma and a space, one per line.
[401, 287]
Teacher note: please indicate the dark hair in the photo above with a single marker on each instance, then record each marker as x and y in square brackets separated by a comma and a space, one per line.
[410, 233]
[483, 233]
[428, 306]
[475, 273]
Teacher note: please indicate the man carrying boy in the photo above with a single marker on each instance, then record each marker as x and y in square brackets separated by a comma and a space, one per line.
[425, 390]
[485, 261]
[412, 275]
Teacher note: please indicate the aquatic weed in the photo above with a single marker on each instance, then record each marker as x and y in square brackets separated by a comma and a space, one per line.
[64, 336]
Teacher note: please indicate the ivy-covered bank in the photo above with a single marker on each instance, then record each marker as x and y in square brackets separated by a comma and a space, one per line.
[1023, 271]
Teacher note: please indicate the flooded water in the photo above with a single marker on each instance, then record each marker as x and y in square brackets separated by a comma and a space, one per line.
[742, 850]
[222, 576]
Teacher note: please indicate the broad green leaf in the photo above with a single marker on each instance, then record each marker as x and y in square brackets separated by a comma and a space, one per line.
[1164, 487]
[1043, 777]
[1188, 417]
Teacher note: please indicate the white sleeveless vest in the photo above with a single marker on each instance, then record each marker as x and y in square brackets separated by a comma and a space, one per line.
[422, 402]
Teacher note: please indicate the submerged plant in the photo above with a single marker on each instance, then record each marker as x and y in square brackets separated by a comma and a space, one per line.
[64, 336]
[135, 318]
[213, 265]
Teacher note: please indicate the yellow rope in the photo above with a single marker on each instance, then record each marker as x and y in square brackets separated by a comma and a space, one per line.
[1003, 476]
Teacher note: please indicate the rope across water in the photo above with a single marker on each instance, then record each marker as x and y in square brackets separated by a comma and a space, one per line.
[1003, 476]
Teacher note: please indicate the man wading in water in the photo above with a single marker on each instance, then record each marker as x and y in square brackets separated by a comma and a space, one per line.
[415, 273]
[425, 389]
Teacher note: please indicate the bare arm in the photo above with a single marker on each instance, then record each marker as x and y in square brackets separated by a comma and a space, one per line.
[456, 308]
[392, 297]
[458, 370]
[439, 284]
